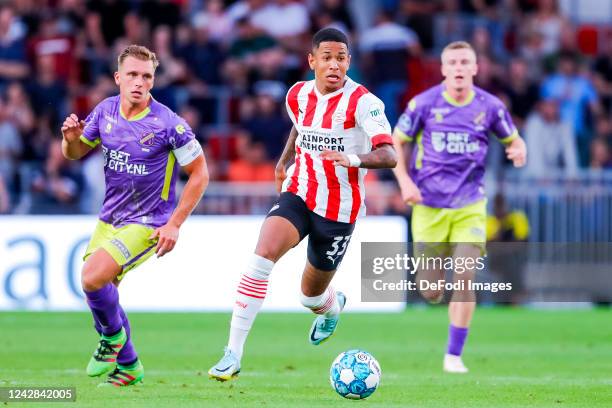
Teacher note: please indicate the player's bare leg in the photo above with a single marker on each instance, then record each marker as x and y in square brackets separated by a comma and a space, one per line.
[277, 236]
[460, 311]
[115, 350]
[323, 300]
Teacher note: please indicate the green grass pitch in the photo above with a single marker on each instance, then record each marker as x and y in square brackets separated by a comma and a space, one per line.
[517, 357]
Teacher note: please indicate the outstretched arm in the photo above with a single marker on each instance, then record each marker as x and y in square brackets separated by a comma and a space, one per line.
[280, 172]
[194, 189]
[383, 157]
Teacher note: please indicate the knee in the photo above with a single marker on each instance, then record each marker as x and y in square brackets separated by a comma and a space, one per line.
[433, 295]
[268, 251]
[92, 278]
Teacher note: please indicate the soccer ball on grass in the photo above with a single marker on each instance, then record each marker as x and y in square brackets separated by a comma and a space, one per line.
[355, 374]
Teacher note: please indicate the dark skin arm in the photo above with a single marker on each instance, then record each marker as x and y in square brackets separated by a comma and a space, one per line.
[280, 172]
[382, 157]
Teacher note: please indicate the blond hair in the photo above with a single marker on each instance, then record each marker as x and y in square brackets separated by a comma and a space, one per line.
[458, 45]
[139, 52]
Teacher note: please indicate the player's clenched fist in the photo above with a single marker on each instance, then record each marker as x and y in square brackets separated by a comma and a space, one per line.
[339, 159]
[517, 152]
[72, 128]
[411, 193]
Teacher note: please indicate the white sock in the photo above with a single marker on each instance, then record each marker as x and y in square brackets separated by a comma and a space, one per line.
[325, 304]
[251, 293]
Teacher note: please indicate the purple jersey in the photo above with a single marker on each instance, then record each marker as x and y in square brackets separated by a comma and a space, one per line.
[140, 160]
[448, 163]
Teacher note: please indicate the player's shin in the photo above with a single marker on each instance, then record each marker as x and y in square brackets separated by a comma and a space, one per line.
[252, 291]
[104, 305]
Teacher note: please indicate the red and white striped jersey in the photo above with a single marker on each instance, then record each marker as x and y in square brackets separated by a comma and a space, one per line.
[350, 120]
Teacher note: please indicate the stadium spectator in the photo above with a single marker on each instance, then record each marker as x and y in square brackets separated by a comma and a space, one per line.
[282, 19]
[603, 73]
[10, 146]
[52, 40]
[600, 155]
[18, 108]
[550, 142]
[268, 124]
[522, 93]
[386, 49]
[13, 64]
[46, 91]
[418, 15]
[338, 11]
[251, 164]
[110, 11]
[5, 200]
[488, 75]
[549, 23]
[576, 96]
[216, 21]
[160, 12]
[59, 185]
[203, 56]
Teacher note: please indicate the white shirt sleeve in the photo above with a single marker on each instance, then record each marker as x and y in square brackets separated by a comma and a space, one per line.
[188, 152]
[371, 118]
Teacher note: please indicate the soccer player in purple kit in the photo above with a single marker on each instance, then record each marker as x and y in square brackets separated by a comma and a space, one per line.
[450, 124]
[142, 141]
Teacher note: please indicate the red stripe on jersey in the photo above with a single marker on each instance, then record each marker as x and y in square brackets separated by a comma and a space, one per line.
[333, 190]
[311, 107]
[353, 175]
[352, 106]
[292, 99]
[383, 138]
[332, 104]
[293, 185]
[313, 185]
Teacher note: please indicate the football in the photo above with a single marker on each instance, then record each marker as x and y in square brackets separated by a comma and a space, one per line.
[355, 374]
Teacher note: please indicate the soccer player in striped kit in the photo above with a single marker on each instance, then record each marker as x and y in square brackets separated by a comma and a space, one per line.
[339, 131]
[451, 124]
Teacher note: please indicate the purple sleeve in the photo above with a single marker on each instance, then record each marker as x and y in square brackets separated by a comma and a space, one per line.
[91, 132]
[501, 123]
[179, 132]
[410, 121]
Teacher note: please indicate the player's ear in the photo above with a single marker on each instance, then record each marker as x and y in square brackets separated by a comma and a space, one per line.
[311, 61]
[348, 60]
[116, 76]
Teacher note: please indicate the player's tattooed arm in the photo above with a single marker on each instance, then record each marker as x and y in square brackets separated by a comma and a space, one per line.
[383, 157]
[280, 172]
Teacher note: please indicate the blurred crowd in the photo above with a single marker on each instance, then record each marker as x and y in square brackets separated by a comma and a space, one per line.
[226, 67]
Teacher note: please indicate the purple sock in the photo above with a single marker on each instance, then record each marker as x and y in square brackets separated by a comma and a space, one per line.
[104, 305]
[456, 339]
[127, 355]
